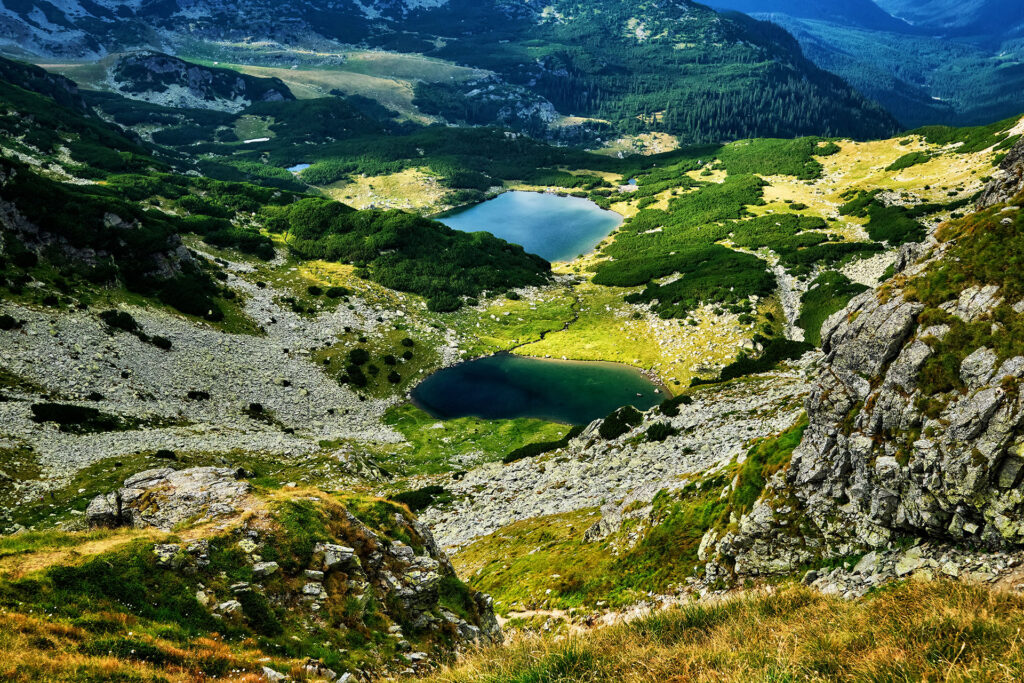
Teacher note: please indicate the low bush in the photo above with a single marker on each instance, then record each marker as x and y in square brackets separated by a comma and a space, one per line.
[161, 342]
[72, 418]
[659, 431]
[619, 422]
[419, 499]
[670, 406]
[119, 320]
[531, 450]
[358, 356]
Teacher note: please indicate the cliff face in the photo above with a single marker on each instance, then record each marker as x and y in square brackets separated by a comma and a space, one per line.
[915, 420]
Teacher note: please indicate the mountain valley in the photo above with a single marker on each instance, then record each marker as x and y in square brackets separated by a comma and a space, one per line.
[277, 377]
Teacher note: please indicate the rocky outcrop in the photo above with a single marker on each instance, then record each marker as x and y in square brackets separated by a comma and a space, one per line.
[923, 561]
[886, 456]
[169, 81]
[872, 466]
[1007, 181]
[311, 566]
[165, 497]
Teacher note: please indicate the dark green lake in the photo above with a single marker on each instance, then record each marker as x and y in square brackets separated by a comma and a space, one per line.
[556, 228]
[506, 386]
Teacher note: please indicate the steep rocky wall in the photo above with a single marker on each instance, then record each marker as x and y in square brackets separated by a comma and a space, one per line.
[888, 456]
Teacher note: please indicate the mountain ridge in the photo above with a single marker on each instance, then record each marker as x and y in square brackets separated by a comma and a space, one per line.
[638, 74]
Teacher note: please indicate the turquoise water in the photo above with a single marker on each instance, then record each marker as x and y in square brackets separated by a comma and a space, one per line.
[556, 228]
[507, 386]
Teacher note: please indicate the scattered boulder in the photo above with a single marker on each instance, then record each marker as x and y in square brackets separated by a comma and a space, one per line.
[264, 569]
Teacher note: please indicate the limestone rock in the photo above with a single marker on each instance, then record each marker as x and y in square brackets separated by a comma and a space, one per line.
[1008, 181]
[164, 497]
[334, 554]
[881, 460]
[263, 569]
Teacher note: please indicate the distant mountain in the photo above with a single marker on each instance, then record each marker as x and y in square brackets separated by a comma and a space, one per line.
[982, 19]
[862, 13]
[928, 61]
[665, 65]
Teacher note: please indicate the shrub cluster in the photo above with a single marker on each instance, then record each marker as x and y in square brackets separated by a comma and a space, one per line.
[619, 422]
[409, 253]
[531, 450]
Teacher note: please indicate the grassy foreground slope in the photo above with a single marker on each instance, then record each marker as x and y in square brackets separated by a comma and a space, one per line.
[198, 603]
[913, 631]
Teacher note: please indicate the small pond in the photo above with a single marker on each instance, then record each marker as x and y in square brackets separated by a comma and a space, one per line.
[506, 386]
[553, 227]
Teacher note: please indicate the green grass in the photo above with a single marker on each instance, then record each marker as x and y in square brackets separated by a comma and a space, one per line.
[545, 563]
[50, 539]
[762, 461]
[504, 323]
[385, 355]
[436, 446]
[829, 293]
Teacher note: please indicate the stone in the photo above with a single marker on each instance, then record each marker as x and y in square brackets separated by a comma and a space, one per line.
[334, 554]
[167, 555]
[104, 511]
[977, 368]
[165, 497]
[272, 675]
[910, 562]
[867, 564]
[230, 607]
[264, 569]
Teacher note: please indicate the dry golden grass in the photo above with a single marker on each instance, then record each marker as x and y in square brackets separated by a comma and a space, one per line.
[35, 649]
[414, 189]
[917, 631]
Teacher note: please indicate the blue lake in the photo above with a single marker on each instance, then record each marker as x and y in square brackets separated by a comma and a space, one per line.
[553, 227]
[506, 386]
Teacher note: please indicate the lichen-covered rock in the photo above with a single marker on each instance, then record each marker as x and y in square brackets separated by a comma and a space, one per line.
[165, 497]
[1008, 180]
[884, 455]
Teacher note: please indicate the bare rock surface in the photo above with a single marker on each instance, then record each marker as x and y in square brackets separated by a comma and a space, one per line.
[163, 498]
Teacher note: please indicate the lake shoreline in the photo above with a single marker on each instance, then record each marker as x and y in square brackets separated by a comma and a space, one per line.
[557, 226]
[604, 377]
